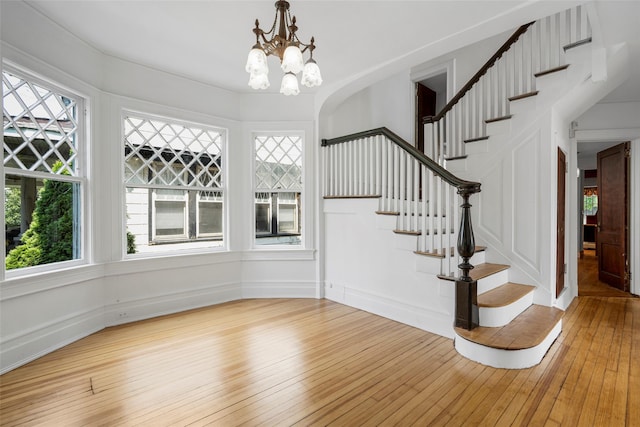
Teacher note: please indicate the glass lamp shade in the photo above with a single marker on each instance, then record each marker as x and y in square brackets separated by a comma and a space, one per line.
[257, 62]
[289, 85]
[292, 60]
[311, 74]
[259, 81]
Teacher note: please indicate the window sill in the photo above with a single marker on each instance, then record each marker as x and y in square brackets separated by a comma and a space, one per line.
[21, 285]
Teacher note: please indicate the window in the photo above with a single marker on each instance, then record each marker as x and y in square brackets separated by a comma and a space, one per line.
[278, 186]
[174, 185]
[43, 172]
[590, 201]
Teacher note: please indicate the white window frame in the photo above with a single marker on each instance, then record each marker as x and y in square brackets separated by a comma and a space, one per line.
[255, 235]
[199, 200]
[81, 178]
[177, 245]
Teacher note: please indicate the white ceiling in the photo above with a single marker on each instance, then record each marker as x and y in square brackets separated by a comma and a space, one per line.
[208, 40]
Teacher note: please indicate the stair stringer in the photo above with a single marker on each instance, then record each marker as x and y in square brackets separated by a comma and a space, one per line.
[514, 215]
[543, 123]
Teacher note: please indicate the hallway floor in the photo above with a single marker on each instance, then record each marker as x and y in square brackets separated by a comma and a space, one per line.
[588, 283]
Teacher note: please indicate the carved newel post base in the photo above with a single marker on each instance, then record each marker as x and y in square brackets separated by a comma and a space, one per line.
[467, 315]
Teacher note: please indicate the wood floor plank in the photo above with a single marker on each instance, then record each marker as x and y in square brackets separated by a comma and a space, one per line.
[315, 362]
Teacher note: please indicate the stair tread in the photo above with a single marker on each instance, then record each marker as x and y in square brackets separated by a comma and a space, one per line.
[504, 295]
[551, 70]
[408, 232]
[440, 254]
[527, 330]
[476, 139]
[523, 95]
[577, 44]
[455, 158]
[480, 271]
[486, 269]
[392, 213]
[498, 119]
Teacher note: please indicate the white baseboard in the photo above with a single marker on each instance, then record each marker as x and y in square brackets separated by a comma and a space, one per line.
[280, 289]
[29, 345]
[160, 305]
[438, 322]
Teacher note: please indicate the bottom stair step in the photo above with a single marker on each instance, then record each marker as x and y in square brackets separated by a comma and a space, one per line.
[504, 295]
[520, 344]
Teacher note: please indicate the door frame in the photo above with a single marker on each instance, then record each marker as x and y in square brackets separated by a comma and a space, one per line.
[619, 136]
[561, 221]
[419, 74]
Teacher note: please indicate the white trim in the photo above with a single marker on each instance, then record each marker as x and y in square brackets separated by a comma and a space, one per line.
[303, 190]
[279, 289]
[195, 246]
[507, 359]
[168, 303]
[500, 316]
[281, 253]
[83, 171]
[439, 322]
[45, 281]
[634, 231]
[20, 349]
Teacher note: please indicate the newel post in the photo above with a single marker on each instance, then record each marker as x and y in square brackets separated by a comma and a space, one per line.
[466, 288]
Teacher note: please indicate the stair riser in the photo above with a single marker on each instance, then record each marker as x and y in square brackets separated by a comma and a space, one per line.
[523, 106]
[502, 127]
[507, 359]
[500, 316]
[478, 258]
[493, 281]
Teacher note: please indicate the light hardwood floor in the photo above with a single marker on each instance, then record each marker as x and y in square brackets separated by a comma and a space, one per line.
[315, 362]
[588, 282]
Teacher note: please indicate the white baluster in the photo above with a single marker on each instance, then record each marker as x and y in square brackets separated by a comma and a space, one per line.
[384, 172]
[432, 211]
[439, 219]
[416, 194]
[424, 226]
[401, 185]
[360, 160]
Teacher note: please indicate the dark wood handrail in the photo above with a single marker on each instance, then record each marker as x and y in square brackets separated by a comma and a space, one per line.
[463, 186]
[458, 96]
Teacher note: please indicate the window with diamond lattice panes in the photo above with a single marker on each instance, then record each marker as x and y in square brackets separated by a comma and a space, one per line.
[44, 175]
[173, 183]
[278, 189]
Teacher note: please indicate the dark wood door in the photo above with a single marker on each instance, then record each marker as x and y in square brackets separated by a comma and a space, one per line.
[560, 227]
[613, 216]
[425, 106]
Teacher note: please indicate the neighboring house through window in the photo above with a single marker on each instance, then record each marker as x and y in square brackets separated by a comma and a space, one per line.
[44, 171]
[278, 188]
[174, 183]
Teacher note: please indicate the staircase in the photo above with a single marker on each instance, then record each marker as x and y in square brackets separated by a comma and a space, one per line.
[418, 192]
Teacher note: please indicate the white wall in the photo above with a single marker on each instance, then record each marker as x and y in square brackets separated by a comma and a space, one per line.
[391, 101]
[42, 312]
[370, 267]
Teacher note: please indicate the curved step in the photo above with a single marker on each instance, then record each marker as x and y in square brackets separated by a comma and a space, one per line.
[520, 344]
[501, 305]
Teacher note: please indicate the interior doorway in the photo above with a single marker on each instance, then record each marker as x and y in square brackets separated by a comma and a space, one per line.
[604, 206]
[430, 98]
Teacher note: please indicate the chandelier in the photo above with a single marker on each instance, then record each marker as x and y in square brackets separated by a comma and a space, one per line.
[281, 40]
